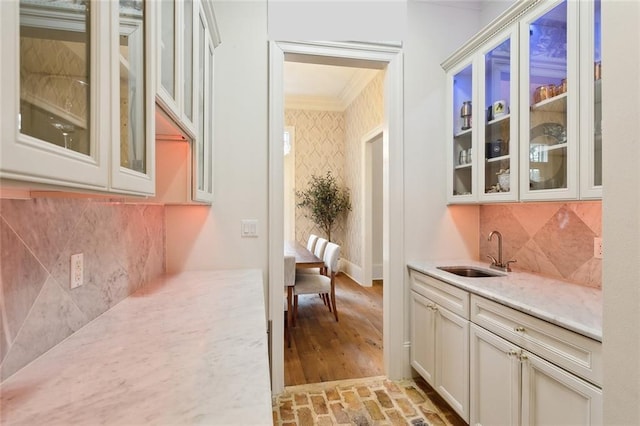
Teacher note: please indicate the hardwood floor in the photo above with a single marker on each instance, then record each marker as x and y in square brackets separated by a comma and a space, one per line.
[325, 350]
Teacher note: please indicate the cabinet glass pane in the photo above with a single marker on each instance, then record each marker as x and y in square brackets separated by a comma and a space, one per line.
[167, 45]
[201, 109]
[597, 140]
[132, 85]
[548, 100]
[497, 89]
[188, 59]
[54, 73]
[462, 132]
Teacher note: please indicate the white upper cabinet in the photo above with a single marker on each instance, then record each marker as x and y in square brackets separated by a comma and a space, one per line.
[76, 104]
[188, 35]
[534, 114]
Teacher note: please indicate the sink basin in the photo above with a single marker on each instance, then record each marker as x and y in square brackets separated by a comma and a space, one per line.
[469, 271]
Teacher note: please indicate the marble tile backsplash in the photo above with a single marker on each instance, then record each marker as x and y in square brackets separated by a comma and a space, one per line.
[123, 248]
[552, 239]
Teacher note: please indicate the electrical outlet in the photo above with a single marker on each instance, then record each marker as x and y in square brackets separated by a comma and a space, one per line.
[597, 248]
[76, 271]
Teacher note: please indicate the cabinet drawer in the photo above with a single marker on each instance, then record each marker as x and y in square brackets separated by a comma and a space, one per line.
[445, 295]
[571, 351]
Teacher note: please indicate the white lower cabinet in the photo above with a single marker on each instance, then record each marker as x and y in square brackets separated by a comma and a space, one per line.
[440, 348]
[510, 386]
[496, 366]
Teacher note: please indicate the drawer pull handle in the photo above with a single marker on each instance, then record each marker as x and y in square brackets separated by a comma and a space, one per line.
[433, 307]
[512, 353]
[523, 357]
[519, 329]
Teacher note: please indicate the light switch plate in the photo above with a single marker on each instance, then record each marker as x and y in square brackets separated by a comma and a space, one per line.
[249, 228]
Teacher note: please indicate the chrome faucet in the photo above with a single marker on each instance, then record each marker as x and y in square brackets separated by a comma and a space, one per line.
[497, 264]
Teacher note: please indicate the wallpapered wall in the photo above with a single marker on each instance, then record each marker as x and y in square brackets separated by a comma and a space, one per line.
[364, 114]
[123, 248]
[319, 148]
[332, 141]
[552, 239]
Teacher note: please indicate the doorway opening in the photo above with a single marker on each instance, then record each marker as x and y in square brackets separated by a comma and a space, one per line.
[395, 349]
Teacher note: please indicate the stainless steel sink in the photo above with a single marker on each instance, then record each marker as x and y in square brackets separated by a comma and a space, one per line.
[469, 271]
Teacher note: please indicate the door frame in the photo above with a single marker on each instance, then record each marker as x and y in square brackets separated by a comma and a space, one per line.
[367, 203]
[363, 55]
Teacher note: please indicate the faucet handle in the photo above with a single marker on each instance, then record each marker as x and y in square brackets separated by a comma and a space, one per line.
[493, 260]
[506, 265]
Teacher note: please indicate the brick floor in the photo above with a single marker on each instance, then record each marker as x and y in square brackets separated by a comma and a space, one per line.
[370, 401]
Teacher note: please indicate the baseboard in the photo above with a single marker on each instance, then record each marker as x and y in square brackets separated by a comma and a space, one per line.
[377, 272]
[352, 270]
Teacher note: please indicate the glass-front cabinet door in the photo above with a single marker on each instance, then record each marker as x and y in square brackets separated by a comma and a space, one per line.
[591, 99]
[548, 99]
[133, 160]
[461, 143]
[203, 156]
[50, 85]
[498, 125]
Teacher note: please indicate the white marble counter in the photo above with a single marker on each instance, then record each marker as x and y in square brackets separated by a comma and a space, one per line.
[571, 306]
[188, 349]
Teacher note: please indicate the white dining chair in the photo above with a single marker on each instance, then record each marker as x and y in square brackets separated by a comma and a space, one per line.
[319, 283]
[311, 242]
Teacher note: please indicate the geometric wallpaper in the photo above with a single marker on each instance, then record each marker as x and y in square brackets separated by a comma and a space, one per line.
[364, 114]
[319, 148]
[123, 249]
[551, 239]
[331, 141]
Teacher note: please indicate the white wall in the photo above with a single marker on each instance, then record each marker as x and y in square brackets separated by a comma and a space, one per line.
[433, 231]
[209, 238]
[490, 9]
[621, 210]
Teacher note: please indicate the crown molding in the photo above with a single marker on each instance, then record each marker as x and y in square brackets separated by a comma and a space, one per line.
[356, 85]
[316, 103]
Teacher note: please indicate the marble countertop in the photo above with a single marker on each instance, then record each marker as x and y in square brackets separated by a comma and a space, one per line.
[571, 306]
[186, 349]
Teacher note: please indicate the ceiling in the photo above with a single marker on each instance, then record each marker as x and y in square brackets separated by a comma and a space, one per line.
[326, 87]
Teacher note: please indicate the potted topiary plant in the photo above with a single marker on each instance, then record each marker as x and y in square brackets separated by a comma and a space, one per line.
[324, 201]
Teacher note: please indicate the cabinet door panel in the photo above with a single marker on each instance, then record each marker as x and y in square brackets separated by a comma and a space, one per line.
[423, 323]
[50, 82]
[549, 108]
[552, 396]
[452, 361]
[134, 159]
[495, 380]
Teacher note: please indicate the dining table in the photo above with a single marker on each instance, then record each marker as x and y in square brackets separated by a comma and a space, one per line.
[305, 259]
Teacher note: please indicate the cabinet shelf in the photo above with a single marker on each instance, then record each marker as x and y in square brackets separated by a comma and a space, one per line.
[466, 132]
[463, 167]
[555, 104]
[496, 159]
[548, 148]
[498, 120]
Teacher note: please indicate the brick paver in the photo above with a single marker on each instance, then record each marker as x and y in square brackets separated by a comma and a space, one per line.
[369, 402]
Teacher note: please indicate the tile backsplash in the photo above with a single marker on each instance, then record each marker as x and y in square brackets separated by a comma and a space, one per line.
[123, 248]
[552, 239]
